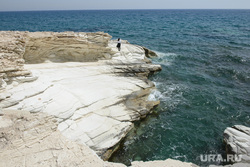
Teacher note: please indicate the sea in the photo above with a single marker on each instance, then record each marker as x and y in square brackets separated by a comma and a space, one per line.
[204, 85]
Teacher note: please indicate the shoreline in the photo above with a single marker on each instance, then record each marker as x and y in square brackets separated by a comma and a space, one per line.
[68, 98]
[77, 68]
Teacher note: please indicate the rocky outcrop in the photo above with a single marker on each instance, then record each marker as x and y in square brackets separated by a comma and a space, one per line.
[67, 46]
[17, 48]
[12, 48]
[33, 140]
[94, 91]
[149, 53]
[75, 92]
[237, 139]
[29, 140]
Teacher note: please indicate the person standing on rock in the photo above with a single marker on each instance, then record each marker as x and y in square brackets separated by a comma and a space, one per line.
[118, 44]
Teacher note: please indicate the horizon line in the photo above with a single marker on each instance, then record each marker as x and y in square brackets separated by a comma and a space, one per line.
[44, 10]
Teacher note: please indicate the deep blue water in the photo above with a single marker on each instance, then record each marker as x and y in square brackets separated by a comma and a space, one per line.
[204, 86]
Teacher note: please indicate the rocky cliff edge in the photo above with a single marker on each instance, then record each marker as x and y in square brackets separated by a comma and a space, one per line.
[92, 90]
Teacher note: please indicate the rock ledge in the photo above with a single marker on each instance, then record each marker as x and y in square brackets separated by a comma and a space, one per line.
[94, 91]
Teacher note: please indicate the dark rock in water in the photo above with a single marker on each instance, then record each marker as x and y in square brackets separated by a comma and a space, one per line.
[149, 53]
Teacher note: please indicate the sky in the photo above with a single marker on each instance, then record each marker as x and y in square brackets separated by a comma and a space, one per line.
[24, 5]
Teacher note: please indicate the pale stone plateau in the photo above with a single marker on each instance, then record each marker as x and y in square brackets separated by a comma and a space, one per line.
[93, 91]
[33, 140]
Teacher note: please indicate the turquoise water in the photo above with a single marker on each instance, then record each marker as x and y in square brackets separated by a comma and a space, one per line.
[204, 85]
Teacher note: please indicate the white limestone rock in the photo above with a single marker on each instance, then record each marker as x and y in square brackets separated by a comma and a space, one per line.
[166, 163]
[33, 140]
[92, 104]
[237, 139]
[93, 90]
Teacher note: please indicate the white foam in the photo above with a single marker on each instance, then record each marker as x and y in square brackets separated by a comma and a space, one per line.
[171, 94]
[162, 54]
[154, 95]
[165, 58]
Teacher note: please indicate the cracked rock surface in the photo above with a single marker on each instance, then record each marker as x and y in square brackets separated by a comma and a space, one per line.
[33, 140]
[93, 90]
[64, 93]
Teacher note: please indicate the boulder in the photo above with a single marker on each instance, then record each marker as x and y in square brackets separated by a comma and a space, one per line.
[237, 139]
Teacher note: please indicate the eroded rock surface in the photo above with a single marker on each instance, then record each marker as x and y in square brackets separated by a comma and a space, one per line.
[237, 139]
[94, 102]
[76, 91]
[32, 139]
[29, 140]
[12, 48]
[66, 46]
